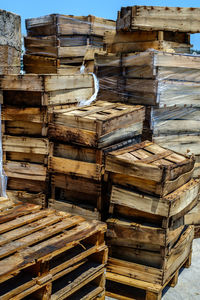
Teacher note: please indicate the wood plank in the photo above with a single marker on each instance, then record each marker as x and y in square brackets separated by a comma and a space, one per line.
[23, 242]
[74, 167]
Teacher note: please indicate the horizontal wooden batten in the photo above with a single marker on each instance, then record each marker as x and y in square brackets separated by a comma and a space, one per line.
[74, 167]
[25, 145]
[45, 83]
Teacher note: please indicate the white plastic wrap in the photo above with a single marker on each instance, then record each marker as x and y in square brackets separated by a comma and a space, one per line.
[152, 78]
[96, 90]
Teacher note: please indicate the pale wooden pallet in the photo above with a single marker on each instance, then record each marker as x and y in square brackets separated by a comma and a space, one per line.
[50, 255]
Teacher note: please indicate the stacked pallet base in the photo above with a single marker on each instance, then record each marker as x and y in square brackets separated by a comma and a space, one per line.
[51, 255]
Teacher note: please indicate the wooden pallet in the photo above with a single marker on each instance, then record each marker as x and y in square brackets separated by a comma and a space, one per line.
[162, 170]
[51, 255]
[98, 125]
[151, 279]
[181, 19]
[32, 90]
[166, 211]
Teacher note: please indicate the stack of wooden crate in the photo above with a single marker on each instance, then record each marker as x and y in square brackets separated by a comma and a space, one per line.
[80, 138]
[28, 101]
[149, 27]
[10, 43]
[151, 191]
[51, 255]
[62, 43]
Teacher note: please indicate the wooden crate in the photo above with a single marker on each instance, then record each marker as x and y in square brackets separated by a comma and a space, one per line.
[151, 280]
[193, 218]
[163, 211]
[25, 149]
[76, 161]
[5, 204]
[57, 24]
[175, 128]
[138, 41]
[161, 66]
[32, 90]
[109, 72]
[10, 31]
[126, 237]
[125, 288]
[98, 125]
[48, 65]
[25, 163]
[67, 195]
[9, 59]
[51, 255]
[181, 19]
[24, 197]
[64, 46]
[31, 121]
[162, 79]
[24, 181]
[161, 170]
[83, 210]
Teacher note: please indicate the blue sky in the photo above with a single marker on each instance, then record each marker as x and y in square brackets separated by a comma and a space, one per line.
[101, 8]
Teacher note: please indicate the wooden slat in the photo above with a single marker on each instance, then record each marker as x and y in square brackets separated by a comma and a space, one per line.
[38, 236]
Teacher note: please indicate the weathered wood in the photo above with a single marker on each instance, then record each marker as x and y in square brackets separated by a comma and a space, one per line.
[74, 209]
[171, 207]
[148, 278]
[71, 247]
[149, 18]
[132, 166]
[68, 25]
[10, 32]
[98, 125]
